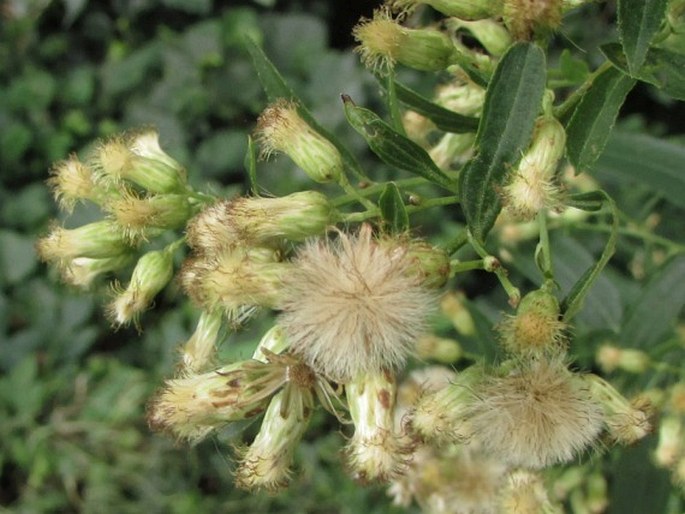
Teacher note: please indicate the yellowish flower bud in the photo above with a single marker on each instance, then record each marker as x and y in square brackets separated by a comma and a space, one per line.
[417, 127]
[152, 273]
[280, 128]
[626, 422]
[452, 305]
[536, 328]
[82, 271]
[376, 451]
[273, 340]
[98, 240]
[461, 96]
[671, 441]
[676, 400]
[440, 349]
[528, 18]
[146, 144]
[597, 492]
[465, 9]
[532, 187]
[429, 263]
[137, 215]
[260, 221]
[116, 161]
[383, 42]
[72, 182]
[610, 357]
[266, 463]
[237, 281]
[525, 493]
[199, 350]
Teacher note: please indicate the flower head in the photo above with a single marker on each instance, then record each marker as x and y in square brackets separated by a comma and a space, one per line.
[353, 306]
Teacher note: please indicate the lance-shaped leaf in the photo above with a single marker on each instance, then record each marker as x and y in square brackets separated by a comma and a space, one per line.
[638, 23]
[573, 302]
[392, 147]
[444, 119]
[662, 68]
[393, 210]
[275, 87]
[251, 165]
[512, 103]
[590, 125]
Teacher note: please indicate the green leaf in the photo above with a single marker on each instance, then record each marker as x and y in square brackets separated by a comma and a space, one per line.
[251, 165]
[638, 23]
[656, 310]
[393, 210]
[444, 119]
[573, 302]
[512, 103]
[392, 147]
[276, 87]
[662, 68]
[590, 125]
[646, 160]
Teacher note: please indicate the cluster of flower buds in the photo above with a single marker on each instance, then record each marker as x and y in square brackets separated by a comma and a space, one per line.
[142, 192]
[670, 450]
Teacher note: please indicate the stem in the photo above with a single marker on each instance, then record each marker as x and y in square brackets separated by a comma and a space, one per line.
[457, 266]
[567, 105]
[459, 241]
[353, 193]
[373, 211]
[377, 188]
[393, 106]
[545, 261]
[512, 291]
[632, 232]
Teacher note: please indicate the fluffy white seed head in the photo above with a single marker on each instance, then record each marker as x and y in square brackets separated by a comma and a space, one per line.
[535, 414]
[352, 306]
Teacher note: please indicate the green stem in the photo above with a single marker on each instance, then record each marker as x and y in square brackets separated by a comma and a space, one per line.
[353, 193]
[545, 261]
[393, 105]
[374, 211]
[457, 266]
[632, 232]
[563, 110]
[501, 273]
[458, 242]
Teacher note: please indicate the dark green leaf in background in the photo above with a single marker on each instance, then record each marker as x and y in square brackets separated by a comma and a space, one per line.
[638, 23]
[392, 147]
[512, 103]
[590, 125]
[647, 161]
[393, 210]
[662, 68]
[656, 310]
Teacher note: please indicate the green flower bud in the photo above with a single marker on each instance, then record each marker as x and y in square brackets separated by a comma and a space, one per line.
[452, 149]
[462, 97]
[440, 349]
[72, 182]
[136, 214]
[116, 161]
[453, 306]
[280, 128]
[98, 240]
[430, 263]
[610, 357]
[82, 271]
[491, 34]
[256, 221]
[465, 9]
[671, 441]
[152, 273]
[200, 348]
[273, 340]
[383, 41]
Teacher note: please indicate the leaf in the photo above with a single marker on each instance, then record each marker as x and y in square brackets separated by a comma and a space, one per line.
[512, 103]
[593, 118]
[638, 23]
[275, 87]
[251, 165]
[444, 119]
[573, 302]
[393, 210]
[646, 160]
[656, 310]
[392, 147]
[662, 68]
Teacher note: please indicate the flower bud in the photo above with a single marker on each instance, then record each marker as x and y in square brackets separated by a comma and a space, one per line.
[525, 493]
[465, 9]
[117, 161]
[531, 188]
[430, 263]
[452, 149]
[376, 451]
[671, 437]
[280, 128]
[462, 96]
[610, 357]
[72, 182]
[136, 214]
[452, 306]
[417, 127]
[597, 492]
[98, 240]
[238, 281]
[152, 273]
[528, 18]
[440, 349]
[626, 422]
[536, 328]
[383, 41]
[266, 463]
[257, 221]
[200, 348]
[82, 271]
[273, 340]
[676, 400]
[146, 144]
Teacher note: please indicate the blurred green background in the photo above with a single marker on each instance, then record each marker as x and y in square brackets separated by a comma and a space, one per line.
[73, 436]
